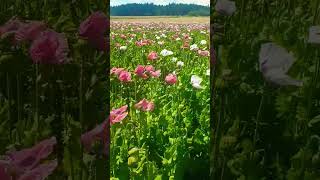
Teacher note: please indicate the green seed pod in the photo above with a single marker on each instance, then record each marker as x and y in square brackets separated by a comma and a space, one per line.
[132, 161]
[133, 151]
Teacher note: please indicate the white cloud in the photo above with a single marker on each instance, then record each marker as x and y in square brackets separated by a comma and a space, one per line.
[160, 2]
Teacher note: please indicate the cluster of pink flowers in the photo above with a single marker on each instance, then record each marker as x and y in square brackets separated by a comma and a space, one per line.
[122, 74]
[47, 46]
[144, 71]
[26, 164]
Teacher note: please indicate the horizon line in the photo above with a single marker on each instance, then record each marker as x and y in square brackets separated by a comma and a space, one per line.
[208, 5]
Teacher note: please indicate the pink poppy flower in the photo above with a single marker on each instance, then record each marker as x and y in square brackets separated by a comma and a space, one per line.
[116, 71]
[145, 105]
[185, 45]
[100, 43]
[27, 159]
[149, 68]
[100, 132]
[122, 36]
[4, 175]
[141, 43]
[40, 172]
[24, 164]
[140, 71]
[203, 53]
[10, 27]
[171, 79]
[155, 73]
[117, 115]
[152, 56]
[94, 26]
[30, 31]
[124, 76]
[49, 48]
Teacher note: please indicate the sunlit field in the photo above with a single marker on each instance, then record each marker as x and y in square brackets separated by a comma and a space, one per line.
[163, 19]
[160, 98]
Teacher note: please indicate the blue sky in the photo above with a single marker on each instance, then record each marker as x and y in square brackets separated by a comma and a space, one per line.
[162, 2]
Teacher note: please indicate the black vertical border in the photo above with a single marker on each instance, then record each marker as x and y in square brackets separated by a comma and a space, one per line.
[108, 87]
[212, 75]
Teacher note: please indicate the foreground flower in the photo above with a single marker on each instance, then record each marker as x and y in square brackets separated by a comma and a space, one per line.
[99, 133]
[275, 62]
[40, 172]
[94, 28]
[124, 76]
[314, 35]
[145, 105]
[225, 7]
[171, 79]
[196, 82]
[10, 27]
[30, 31]
[166, 52]
[152, 56]
[49, 47]
[25, 164]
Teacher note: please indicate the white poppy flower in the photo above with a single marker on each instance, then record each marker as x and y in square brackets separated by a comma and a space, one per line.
[225, 7]
[157, 37]
[174, 59]
[180, 64]
[203, 42]
[178, 39]
[123, 48]
[314, 35]
[194, 47]
[166, 52]
[196, 82]
[275, 62]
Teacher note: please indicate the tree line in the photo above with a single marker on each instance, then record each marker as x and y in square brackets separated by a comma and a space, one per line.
[150, 9]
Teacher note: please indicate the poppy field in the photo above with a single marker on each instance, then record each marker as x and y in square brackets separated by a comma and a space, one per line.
[266, 88]
[160, 100]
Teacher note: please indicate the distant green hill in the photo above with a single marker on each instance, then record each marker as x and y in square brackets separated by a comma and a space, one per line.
[147, 9]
